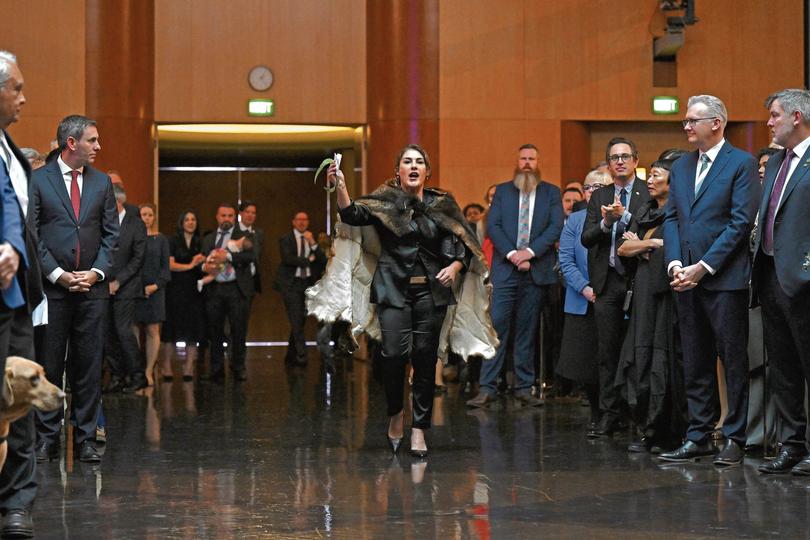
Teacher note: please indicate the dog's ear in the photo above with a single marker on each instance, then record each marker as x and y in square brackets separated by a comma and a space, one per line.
[8, 392]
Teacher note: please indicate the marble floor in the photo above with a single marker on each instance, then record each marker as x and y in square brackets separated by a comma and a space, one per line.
[297, 453]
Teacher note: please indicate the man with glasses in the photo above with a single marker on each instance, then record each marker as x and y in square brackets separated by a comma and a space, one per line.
[609, 214]
[713, 197]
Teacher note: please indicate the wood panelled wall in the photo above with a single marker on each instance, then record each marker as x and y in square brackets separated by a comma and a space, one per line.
[205, 49]
[517, 71]
[52, 63]
[469, 79]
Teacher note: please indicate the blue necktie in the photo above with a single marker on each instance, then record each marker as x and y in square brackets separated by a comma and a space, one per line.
[617, 263]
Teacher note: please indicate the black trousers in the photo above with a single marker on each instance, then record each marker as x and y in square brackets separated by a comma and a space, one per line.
[610, 330]
[121, 347]
[295, 303]
[79, 323]
[226, 301]
[714, 323]
[786, 323]
[18, 481]
[411, 333]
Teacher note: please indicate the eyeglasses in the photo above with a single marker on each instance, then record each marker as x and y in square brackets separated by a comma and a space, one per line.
[692, 121]
[621, 157]
[591, 187]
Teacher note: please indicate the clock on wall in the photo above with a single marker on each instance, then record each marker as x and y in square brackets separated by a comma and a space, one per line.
[260, 78]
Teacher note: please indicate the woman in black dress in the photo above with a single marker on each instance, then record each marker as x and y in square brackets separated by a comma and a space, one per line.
[184, 301]
[151, 310]
[650, 373]
[425, 244]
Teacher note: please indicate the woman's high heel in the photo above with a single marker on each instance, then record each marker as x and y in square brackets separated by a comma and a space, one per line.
[395, 443]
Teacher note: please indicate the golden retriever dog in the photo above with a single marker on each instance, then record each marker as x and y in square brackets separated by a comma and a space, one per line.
[25, 386]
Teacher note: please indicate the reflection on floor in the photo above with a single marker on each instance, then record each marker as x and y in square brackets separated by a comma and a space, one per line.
[296, 453]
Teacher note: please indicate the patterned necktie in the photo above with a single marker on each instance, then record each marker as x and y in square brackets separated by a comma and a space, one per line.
[773, 202]
[523, 222]
[704, 164]
[76, 201]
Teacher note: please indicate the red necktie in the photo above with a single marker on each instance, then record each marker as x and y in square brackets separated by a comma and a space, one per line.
[75, 199]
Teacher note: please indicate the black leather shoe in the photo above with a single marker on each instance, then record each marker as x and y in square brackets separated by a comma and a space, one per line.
[482, 400]
[606, 427]
[789, 456]
[17, 523]
[689, 451]
[87, 453]
[47, 452]
[802, 468]
[240, 375]
[731, 454]
[421, 454]
[138, 382]
[115, 385]
[641, 445]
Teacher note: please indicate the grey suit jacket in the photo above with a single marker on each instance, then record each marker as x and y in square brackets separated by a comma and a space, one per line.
[96, 231]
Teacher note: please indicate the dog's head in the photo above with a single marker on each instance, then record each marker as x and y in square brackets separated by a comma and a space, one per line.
[26, 385]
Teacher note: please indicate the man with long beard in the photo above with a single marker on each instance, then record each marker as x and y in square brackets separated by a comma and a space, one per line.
[524, 222]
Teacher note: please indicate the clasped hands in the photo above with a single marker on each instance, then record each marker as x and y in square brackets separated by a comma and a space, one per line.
[78, 281]
[687, 277]
[521, 258]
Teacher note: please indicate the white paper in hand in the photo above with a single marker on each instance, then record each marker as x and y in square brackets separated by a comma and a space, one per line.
[337, 159]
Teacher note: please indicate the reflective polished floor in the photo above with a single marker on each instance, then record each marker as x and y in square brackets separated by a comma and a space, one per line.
[295, 453]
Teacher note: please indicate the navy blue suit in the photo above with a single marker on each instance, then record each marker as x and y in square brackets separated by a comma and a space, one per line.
[74, 318]
[714, 226]
[781, 283]
[516, 292]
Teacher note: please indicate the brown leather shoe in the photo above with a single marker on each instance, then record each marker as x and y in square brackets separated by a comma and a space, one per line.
[483, 399]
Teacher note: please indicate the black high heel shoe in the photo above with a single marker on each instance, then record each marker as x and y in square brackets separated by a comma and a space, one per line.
[394, 443]
[419, 453]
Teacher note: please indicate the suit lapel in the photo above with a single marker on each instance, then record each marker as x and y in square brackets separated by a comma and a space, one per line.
[58, 184]
[691, 171]
[719, 163]
[798, 175]
[90, 185]
[536, 212]
[770, 178]
[635, 199]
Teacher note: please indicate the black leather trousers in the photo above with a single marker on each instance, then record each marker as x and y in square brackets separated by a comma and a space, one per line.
[411, 333]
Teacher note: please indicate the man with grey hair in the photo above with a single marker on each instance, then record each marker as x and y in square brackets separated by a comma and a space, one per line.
[714, 193]
[125, 286]
[74, 213]
[781, 280]
[20, 278]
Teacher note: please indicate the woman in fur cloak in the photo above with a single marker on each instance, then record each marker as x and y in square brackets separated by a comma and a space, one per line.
[409, 273]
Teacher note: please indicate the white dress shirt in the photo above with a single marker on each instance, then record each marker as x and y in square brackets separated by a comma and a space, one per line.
[302, 272]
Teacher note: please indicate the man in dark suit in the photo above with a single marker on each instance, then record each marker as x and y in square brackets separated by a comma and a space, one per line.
[125, 290]
[247, 222]
[302, 263]
[21, 293]
[524, 222]
[73, 210]
[781, 279]
[610, 212]
[714, 193]
[229, 258]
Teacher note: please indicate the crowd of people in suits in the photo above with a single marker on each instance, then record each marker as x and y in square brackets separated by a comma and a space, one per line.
[665, 280]
[661, 281]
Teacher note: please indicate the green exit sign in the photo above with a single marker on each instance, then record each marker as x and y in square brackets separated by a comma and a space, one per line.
[665, 105]
[261, 107]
